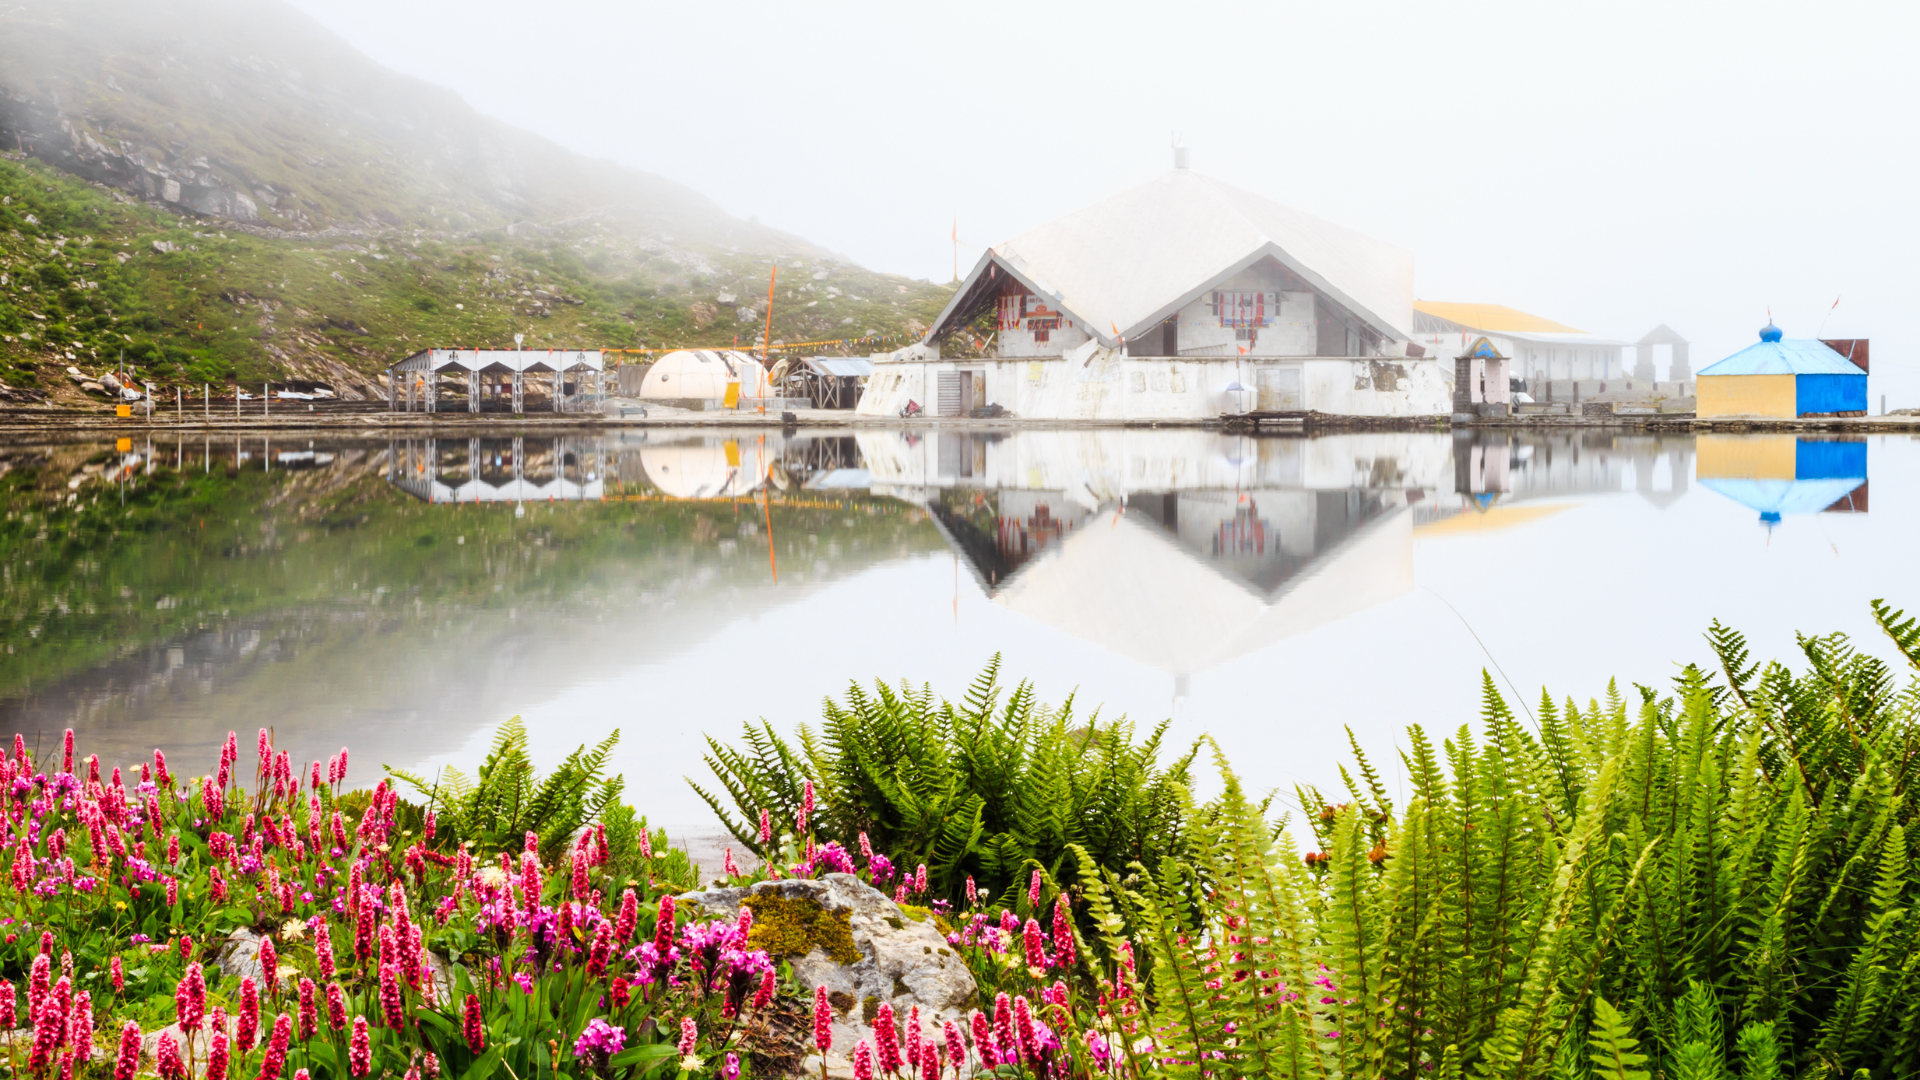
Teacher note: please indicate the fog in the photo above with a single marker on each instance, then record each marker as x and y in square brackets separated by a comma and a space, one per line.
[1608, 166]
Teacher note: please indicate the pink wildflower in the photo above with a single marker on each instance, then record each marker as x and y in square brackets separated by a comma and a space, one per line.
[886, 1039]
[167, 1060]
[862, 1061]
[127, 1061]
[309, 1011]
[247, 1026]
[217, 1052]
[822, 1020]
[1063, 944]
[623, 926]
[689, 1036]
[359, 1050]
[276, 1056]
[269, 965]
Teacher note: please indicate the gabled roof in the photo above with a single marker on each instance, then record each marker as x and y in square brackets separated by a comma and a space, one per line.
[1495, 317]
[1801, 356]
[1662, 335]
[1127, 262]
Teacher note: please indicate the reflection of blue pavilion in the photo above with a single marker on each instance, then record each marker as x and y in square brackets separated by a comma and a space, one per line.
[1779, 475]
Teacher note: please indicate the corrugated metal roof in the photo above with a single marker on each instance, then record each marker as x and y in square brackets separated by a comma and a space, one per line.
[1802, 356]
[841, 366]
[1129, 261]
[1492, 317]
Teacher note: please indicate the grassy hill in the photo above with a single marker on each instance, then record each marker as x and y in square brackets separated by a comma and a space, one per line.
[227, 191]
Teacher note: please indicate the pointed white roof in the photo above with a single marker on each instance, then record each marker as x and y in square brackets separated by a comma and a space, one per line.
[1131, 260]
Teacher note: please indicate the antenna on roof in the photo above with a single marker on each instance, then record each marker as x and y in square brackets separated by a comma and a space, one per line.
[1179, 151]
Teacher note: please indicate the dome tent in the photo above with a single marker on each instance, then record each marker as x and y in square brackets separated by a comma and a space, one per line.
[704, 470]
[687, 374]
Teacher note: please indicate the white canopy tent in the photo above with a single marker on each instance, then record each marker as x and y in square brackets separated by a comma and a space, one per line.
[419, 375]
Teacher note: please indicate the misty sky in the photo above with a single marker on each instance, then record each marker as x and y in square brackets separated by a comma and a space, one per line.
[1611, 166]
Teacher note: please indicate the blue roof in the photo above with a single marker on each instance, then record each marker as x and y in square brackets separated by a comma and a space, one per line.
[1772, 356]
[1781, 497]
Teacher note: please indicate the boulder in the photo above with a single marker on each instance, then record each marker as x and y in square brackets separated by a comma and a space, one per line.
[843, 934]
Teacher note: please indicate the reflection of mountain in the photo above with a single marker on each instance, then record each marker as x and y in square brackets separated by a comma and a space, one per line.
[1780, 475]
[331, 604]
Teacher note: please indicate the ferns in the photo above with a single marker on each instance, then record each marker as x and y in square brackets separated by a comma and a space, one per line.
[507, 799]
[1612, 1048]
[1734, 857]
[990, 787]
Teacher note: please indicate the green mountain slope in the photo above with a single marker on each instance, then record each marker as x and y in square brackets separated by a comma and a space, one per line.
[228, 191]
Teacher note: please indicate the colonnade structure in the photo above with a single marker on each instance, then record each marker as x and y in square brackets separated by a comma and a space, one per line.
[497, 373]
[515, 470]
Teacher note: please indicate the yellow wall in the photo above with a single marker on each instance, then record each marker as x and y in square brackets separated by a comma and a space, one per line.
[1745, 457]
[1747, 395]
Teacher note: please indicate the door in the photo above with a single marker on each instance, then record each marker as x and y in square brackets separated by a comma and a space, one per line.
[966, 393]
[1279, 390]
[948, 401]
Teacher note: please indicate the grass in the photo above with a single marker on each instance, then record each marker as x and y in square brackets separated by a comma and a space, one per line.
[91, 275]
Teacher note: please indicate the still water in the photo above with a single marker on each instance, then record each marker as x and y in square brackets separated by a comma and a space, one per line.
[404, 597]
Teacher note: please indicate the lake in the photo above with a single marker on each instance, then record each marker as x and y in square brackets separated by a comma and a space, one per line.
[404, 597]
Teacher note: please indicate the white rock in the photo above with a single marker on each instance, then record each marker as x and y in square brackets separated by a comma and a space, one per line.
[902, 961]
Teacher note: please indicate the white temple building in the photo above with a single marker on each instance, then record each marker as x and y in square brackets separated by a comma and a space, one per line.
[1182, 299]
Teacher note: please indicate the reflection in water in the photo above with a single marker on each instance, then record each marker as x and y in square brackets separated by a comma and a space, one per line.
[401, 596]
[1779, 475]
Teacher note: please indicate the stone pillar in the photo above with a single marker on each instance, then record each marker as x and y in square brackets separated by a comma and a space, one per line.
[473, 391]
[433, 390]
[393, 392]
[1680, 370]
[519, 396]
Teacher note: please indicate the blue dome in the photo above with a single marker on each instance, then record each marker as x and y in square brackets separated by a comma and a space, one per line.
[1770, 332]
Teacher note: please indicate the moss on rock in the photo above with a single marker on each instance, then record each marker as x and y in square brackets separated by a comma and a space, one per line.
[791, 926]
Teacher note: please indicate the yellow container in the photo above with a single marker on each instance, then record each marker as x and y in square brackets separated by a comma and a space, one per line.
[123, 410]
[1770, 396]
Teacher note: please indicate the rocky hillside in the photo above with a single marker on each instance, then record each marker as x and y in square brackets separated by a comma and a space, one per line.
[226, 190]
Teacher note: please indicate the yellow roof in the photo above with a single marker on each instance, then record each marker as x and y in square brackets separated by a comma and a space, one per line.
[1498, 517]
[1494, 317]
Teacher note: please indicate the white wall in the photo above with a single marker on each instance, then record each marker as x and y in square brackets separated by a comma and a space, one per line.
[1110, 387]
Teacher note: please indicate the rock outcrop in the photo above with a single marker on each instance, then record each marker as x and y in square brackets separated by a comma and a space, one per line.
[843, 934]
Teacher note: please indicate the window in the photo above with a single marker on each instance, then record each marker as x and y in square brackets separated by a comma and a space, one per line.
[1240, 309]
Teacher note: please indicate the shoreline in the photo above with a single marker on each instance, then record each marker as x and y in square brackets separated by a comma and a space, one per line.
[53, 421]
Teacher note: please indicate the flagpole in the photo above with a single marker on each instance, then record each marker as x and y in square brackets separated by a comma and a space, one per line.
[766, 352]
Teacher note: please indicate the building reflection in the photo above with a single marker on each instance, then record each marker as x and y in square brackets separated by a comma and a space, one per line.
[1781, 475]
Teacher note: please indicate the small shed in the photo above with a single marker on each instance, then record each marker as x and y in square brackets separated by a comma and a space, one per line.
[1784, 380]
[832, 382]
[703, 375]
[1481, 384]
